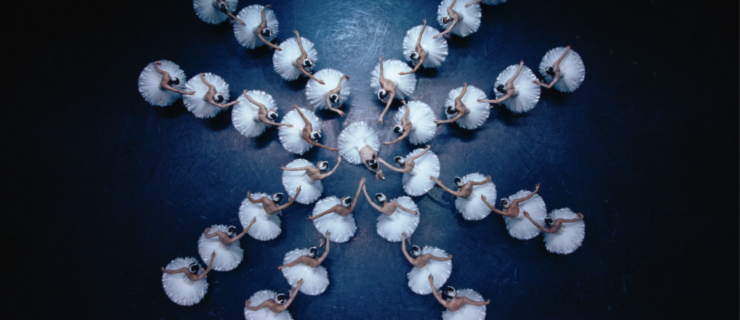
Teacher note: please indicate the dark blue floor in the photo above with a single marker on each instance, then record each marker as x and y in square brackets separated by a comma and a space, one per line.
[647, 149]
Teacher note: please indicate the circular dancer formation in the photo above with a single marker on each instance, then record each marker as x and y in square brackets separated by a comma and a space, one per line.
[517, 88]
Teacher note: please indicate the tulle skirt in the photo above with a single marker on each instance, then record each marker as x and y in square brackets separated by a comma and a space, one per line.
[150, 80]
[196, 103]
[316, 92]
[569, 237]
[284, 61]
[391, 227]
[520, 227]
[417, 183]
[572, 71]
[252, 17]
[467, 311]
[210, 13]
[355, 137]
[473, 207]
[441, 270]
[227, 257]
[405, 84]
[435, 49]
[422, 121]
[469, 17]
[341, 228]
[526, 93]
[266, 227]
[477, 112]
[315, 280]
[292, 138]
[179, 288]
[310, 190]
[244, 115]
[265, 313]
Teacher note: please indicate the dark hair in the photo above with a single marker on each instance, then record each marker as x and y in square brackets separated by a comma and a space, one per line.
[280, 298]
[548, 221]
[380, 198]
[414, 56]
[313, 251]
[451, 110]
[347, 201]
[416, 249]
[458, 182]
[550, 71]
[448, 293]
[194, 268]
[223, 6]
[398, 129]
[266, 32]
[382, 94]
[272, 115]
[400, 160]
[501, 88]
[307, 63]
[334, 98]
[277, 197]
[218, 98]
[372, 163]
[315, 136]
[174, 81]
[323, 165]
[231, 230]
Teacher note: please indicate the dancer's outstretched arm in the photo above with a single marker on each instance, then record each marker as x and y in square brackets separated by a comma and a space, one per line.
[403, 248]
[328, 211]
[264, 109]
[472, 3]
[419, 50]
[290, 200]
[370, 201]
[436, 294]
[556, 68]
[244, 232]
[339, 160]
[475, 303]
[420, 153]
[300, 64]
[529, 196]
[477, 183]
[433, 257]
[293, 293]
[390, 166]
[445, 188]
[492, 207]
[399, 206]
[167, 85]
[262, 26]
[326, 252]
[404, 119]
[336, 90]
[357, 194]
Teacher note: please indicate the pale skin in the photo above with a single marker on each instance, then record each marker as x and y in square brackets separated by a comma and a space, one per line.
[455, 18]
[556, 69]
[459, 107]
[509, 87]
[314, 173]
[304, 55]
[212, 93]
[513, 210]
[422, 260]
[335, 91]
[306, 132]
[405, 123]
[274, 306]
[367, 153]
[165, 83]
[419, 50]
[472, 3]
[465, 191]
[409, 165]
[226, 12]
[193, 277]
[339, 209]
[390, 87]
[556, 225]
[225, 238]
[263, 26]
[269, 206]
[307, 260]
[455, 303]
[388, 208]
[262, 113]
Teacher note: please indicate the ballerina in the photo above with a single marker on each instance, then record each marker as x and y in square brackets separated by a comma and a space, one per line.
[266, 304]
[428, 51]
[519, 94]
[301, 136]
[358, 143]
[210, 91]
[430, 261]
[257, 27]
[420, 128]
[301, 173]
[230, 253]
[564, 232]
[466, 108]
[215, 11]
[568, 68]
[322, 96]
[395, 85]
[294, 60]
[184, 281]
[400, 215]
[254, 113]
[461, 305]
[470, 189]
[418, 167]
[523, 201]
[335, 216]
[458, 18]
[262, 207]
[303, 265]
[160, 85]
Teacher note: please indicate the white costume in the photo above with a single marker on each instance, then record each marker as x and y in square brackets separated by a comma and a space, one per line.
[315, 280]
[422, 120]
[227, 257]
[341, 228]
[197, 103]
[244, 114]
[520, 227]
[435, 49]
[265, 313]
[266, 227]
[252, 17]
[405, 84]
[467, 311]
[572, 71]
[285, 60]
[417, 183]
[469, 17]
[292, 138]
[477, 112]
[150, 80]
[316, 92]
[569, 237]
[310, 190]
[473, 207]
[179, 288]
[355, 137]
[526, 93]
[441, 270]
[391, 227]
[210, 12]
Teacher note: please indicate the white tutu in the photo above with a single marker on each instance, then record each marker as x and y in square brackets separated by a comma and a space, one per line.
[197, 103]
[441, 270]
[355, 137]
[315, 280]
[435, 49]
[569, 237]
[227, 257]
[310, 190]
[341, 228]
[284, 61]
[417, 183]
[469, 17]
[209, 12]
[520, 227]
[391, 227]
[316, 92]
[493, 2]
[150, 80]
[572, 71]
[291, 138]
[244, 114]
[526, 93]
[266, 227]
[252, 17]
[477, 112]
[179, 288]
[467, 311]
[422, 121]
[265, 313]
[405, 85]
[473, 207]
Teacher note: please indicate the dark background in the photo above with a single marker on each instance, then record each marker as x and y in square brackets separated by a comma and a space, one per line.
[647, 149]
